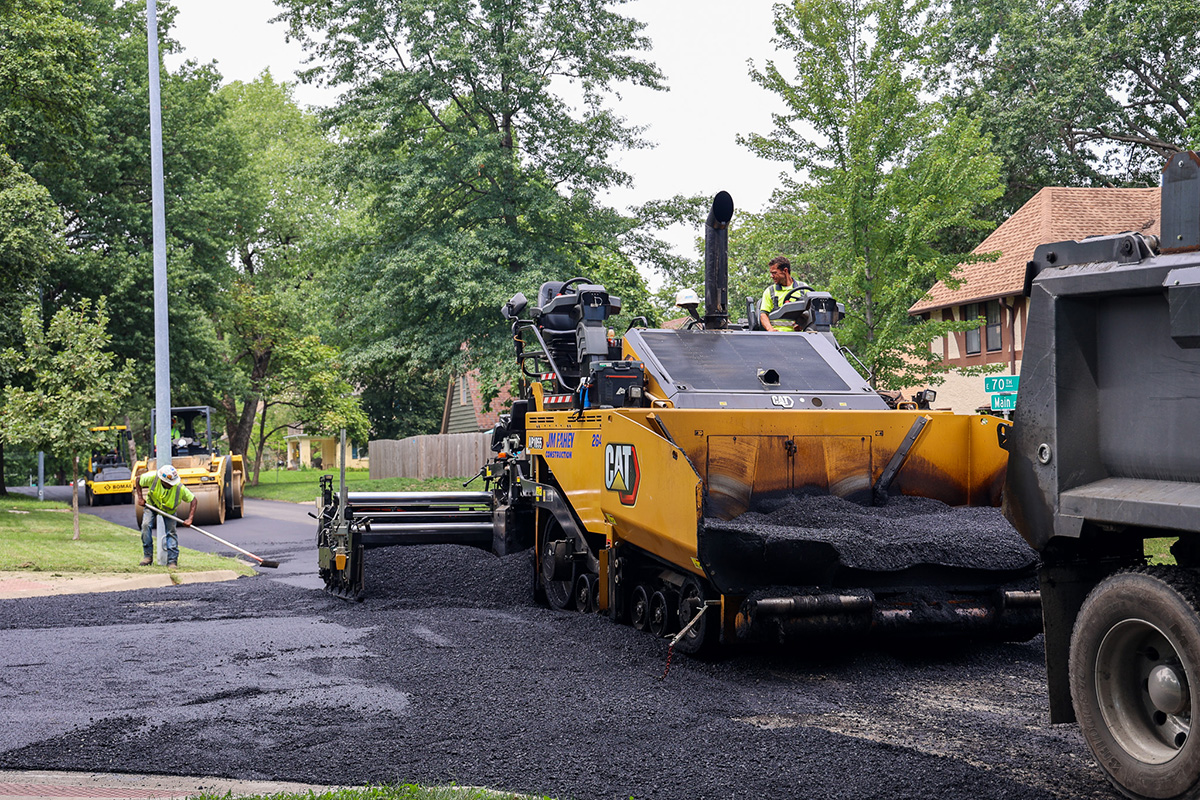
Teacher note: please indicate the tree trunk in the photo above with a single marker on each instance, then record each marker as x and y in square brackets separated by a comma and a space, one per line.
[3, 486]
[129, 445]
[262, 442]
[239, 432]
[75, 493]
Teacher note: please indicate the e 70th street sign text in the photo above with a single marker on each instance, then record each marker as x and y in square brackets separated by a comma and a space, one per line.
[1001, 383]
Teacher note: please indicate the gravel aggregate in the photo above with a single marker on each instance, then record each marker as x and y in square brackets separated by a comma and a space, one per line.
[904, 532]
[449, 673]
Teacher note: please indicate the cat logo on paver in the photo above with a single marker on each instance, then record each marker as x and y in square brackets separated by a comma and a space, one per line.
[621, 474]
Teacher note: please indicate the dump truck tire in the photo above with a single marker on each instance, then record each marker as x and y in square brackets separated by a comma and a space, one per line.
[1135, 653]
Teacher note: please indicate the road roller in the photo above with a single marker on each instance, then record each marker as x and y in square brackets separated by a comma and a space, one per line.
[718, 484]
[107, 479]
[215, 478]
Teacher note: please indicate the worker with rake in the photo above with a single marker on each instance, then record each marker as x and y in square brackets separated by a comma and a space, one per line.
[168, 493]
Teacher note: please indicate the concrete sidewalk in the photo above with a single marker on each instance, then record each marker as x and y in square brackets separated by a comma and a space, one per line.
[40, 584]
[44, 785]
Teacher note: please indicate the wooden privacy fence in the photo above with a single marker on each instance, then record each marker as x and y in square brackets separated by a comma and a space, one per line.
[443, 455]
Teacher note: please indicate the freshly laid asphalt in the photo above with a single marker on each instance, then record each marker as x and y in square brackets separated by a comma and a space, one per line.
[449, 673]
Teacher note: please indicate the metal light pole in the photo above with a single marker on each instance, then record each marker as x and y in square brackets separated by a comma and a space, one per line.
[162, 348]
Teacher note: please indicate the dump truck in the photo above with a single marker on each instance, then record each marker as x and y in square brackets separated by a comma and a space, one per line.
[1103, 455]
[215, 478]
[719, 485]
[108, 478]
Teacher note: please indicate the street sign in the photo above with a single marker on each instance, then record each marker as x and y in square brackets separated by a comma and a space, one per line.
[1001, 383]
[1004, 402]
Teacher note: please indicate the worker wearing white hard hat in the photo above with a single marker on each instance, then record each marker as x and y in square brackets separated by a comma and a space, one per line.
[168, 493]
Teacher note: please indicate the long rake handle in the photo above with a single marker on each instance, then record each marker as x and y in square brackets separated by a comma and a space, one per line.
[264, 562]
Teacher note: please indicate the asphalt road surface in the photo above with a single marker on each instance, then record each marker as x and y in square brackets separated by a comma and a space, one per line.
[448, 672]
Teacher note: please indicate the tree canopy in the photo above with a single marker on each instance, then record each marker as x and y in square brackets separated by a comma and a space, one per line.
[1073, 93]
[480, 131]
[881, 173]
[74, 383]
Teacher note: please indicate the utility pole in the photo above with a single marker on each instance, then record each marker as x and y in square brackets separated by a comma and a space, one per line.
[162, 344]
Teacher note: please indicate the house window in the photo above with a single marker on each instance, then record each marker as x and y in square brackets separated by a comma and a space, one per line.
[993, 326]
[358, 450]
[463, 396]
[970, 312]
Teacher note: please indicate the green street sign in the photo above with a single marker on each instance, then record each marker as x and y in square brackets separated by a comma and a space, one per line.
[1001, 383]
[1004, 402]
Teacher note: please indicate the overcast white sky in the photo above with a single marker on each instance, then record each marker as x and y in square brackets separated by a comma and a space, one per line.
[701, 46]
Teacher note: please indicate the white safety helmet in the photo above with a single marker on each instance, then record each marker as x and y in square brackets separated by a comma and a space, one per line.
[685, 298]
[168, 475]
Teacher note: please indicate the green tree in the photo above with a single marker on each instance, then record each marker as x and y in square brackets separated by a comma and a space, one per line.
[30, 239]
[288, 234]
[74, 384]
[307, 383]
[47, 80]
[103, 190]
[480, 129]
[1073, 93]
[882, 175]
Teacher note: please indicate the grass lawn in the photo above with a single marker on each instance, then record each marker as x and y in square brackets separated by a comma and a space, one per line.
[36, 536]
[1158, 551]
[301, 485]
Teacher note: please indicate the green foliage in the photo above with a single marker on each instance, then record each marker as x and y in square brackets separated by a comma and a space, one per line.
[485, 177]
[399, 406]
[882, 174]
[75, 380]
[1090, 93]
[47, 78]
[288, 219]
[399, 791]
[285, 239]
[30, 239]
[74, 383]
[88, 145]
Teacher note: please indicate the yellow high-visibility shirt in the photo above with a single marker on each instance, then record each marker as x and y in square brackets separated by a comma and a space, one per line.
[167, 498]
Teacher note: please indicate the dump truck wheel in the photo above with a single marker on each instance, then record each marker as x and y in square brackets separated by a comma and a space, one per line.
[91, 498]
[1135, 653]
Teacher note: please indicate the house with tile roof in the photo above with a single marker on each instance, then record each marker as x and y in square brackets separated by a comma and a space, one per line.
[992, 291]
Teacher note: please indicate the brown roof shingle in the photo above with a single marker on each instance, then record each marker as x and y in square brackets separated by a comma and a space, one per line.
[1054, 214]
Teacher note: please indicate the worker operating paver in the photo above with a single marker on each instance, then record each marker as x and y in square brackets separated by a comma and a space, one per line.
[168, 494]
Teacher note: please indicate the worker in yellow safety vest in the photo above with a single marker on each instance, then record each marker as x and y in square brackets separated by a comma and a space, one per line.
[782, 282]
[167, 493]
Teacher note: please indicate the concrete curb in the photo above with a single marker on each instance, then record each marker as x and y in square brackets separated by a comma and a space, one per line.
[35, 584]
[48, 785]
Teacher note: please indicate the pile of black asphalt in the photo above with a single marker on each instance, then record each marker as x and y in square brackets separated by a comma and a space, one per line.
[450, 673]
[901, 533]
